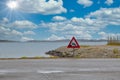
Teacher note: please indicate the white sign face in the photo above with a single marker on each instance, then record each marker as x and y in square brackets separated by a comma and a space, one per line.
[73, 43]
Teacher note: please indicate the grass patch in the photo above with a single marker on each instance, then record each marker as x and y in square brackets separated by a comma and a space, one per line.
[84, 46]
[115, 51]
[36, 57]
[23, 57]
[114, 44]
[53, 57]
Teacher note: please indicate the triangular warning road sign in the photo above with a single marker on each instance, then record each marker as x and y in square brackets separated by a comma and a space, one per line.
[73, 43]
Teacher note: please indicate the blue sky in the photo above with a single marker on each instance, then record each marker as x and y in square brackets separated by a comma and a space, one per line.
[23, 20]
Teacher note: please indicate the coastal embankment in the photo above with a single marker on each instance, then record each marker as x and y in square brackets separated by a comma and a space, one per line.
[103, 51]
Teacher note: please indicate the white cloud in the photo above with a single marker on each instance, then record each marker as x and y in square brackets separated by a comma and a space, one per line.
[87, 21]
[4, 30]
[58, 18]
[104, 35]
[5, 20]
[109, 2]
[113, 34]
[106, 16]
[84, 28]
[8, 34]
[24, 24]
[29, 33]
[85, 3]
[14, 32]
[78, 34]
[54, 37]
[70, 28]
[26, 39]
[42, 6]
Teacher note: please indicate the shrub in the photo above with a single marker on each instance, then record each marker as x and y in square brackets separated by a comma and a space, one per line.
[115, 51]
[23, 57]
[37, 57]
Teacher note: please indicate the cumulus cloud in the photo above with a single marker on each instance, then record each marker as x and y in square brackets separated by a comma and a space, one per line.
[14, 32]
[104, 35]
[29, 33]
[109, 2]
[24, 24]
[85, 27]
[5, 20]
[54, 37]
[26, 39]
[69, 28]
[58, 18]
[42, 6]
[85, 3]
[106, 16]
[82, 28]
[8, 34]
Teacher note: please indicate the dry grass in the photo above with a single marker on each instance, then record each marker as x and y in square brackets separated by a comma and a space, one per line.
[91, 52]
[114, 44]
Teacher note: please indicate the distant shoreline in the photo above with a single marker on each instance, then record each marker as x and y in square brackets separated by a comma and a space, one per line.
[82, 40]
[85, 51]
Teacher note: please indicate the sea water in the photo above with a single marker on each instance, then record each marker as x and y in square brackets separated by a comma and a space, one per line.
[32, 49]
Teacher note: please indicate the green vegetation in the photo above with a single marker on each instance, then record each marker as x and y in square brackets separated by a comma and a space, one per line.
[115, 51]
[36, 57]
[87, 52]
[23, 57]
[114, 40]
[77, 56]
[114, 44]
[53, 57]
[84, 46]
[117, 56]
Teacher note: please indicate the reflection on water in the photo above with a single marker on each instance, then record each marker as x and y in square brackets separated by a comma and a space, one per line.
[31, 49]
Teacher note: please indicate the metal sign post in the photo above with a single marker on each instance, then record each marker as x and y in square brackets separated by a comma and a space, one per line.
[73, 52]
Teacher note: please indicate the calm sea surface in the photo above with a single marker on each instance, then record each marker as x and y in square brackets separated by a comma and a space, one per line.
[32, 49]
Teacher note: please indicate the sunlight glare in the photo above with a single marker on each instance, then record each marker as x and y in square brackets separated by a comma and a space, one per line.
[12, 5]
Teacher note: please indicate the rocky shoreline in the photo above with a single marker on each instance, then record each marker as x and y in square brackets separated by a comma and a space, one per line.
[87, 52]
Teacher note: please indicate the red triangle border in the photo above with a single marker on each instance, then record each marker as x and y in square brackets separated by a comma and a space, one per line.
[70, 46]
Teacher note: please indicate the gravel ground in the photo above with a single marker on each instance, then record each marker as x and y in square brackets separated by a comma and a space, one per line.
[92, 51]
